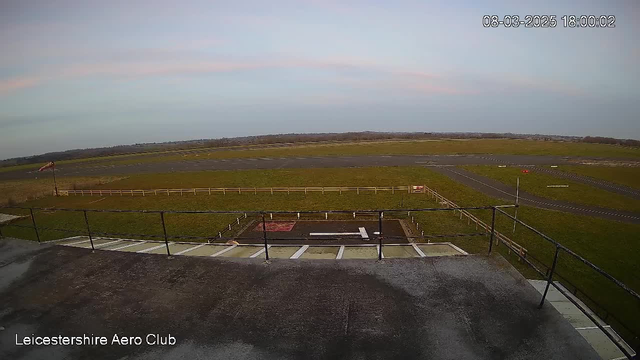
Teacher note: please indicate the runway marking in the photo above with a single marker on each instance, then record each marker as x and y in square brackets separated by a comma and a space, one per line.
[224, 250]
[151, 248]
[189, 249]
[109, 243]
[340, 253]
[259, 252]
[126, 246]
[417, 249]
[299, 253]
[363, 233]
[77, 242]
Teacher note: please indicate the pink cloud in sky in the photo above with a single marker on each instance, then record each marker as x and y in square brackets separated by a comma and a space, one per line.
[379, 76]
[13, 84]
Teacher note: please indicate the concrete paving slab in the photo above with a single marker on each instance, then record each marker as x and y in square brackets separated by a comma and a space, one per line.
[282, 252]
[360, 252]
[602, 344]
[173, 248]
[320, 252]
[72, 240]
[143, 246]
[96, 243]
[206, 250]
[438, 250]
[570, 312]
[243, 252]
[399, 251]
[122, 243]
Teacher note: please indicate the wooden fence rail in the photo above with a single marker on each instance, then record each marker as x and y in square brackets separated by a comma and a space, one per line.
[499, 237]
[245, 190]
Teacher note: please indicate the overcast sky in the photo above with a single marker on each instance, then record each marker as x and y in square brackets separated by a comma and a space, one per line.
[86, 73]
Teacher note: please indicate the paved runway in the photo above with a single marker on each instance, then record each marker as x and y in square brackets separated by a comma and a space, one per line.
[497, 189]
[84, 169]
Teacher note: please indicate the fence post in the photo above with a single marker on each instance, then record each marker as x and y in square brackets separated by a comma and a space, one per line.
[264, 236]
[550, 278]
[493, 228]
[164, 230]
[379, 235]
[33, 219]
[86, 221]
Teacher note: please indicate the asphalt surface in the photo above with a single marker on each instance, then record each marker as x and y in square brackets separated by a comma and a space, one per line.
[497, 189]
[468, 307]
[81, 169]
[300, 233]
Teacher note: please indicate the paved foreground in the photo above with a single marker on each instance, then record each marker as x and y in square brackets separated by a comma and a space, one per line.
[467, 307]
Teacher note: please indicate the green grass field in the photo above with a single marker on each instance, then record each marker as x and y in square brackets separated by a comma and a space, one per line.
[382, 147]
[484, 146]
[611, 245]
[629, 176]
[536, 183]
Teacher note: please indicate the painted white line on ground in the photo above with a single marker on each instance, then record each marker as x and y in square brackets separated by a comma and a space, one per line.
[335, 234]
[592, 327]
[126, 246]
[340, 252]
[300, 251]
[151, 248]
[457, 248]
[77, 242]
[189, 249]
[109, 243]
[224, 250]
[259, 252]
[418, 250]
[363, 233]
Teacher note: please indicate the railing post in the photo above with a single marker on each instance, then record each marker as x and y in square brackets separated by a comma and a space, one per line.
[264, 236]
[493, 228]
[33, 219]
[86, 221]
[164, 230]
[379, 235]
[550, 278]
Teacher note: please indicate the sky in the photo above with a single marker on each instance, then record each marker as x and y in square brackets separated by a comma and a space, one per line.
[87, 73]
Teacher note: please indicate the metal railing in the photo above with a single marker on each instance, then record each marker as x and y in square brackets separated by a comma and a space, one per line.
[551, 271]
[495, 237]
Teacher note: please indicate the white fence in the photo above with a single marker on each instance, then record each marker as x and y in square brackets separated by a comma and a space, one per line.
[245, 190]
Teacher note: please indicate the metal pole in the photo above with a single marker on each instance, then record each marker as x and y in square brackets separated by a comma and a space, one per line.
[550, 278]
[1, 232]
[493, 228]
[55, 184]
[164, 230]
[33, 219]
[86, 221]
[379, 235]
[264, 236]
[517, 198]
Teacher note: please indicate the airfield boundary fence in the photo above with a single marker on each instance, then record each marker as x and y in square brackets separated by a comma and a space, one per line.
[246, 190]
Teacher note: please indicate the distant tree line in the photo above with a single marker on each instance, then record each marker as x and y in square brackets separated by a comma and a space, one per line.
[265, 140]
[607, 140]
